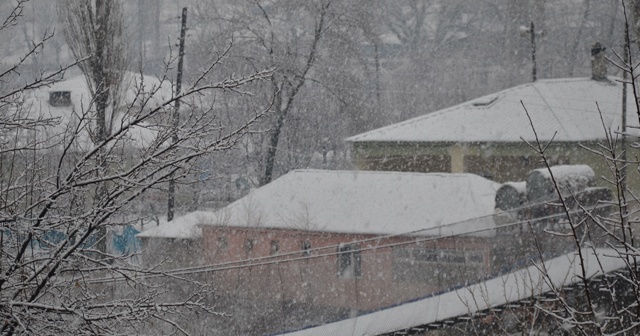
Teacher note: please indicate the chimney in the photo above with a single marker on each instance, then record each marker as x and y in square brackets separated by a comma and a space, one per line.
[598, 62]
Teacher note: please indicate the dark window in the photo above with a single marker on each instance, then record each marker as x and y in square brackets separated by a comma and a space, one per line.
[425, 255]
[438, 255]
[475, 257]
[349, 261]
[275, 247]
[222, 243]
[417, 163]
[437, 266]
[248, 245]
[452, 256]
[60, 98]
[306, 248]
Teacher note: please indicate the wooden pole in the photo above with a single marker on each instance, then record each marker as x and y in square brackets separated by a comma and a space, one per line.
[534, 70]
[176, 115]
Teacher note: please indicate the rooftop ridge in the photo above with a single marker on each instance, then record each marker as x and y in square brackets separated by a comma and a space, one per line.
[378, 172]
[543, 95]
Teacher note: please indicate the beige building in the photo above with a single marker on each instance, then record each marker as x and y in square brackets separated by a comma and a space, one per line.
[490, 136]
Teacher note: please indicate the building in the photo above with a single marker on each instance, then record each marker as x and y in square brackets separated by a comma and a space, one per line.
[174, 244]
[63, 123]
[68, 105]
[311, 237]
[319, 246]
[490, 136]
[314, 247]
[490, 307]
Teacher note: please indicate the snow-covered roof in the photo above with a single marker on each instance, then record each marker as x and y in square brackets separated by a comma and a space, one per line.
[522, 284]
[134, 84]
[185, 227]
[360, 202]
[562, 109]
[135, 87]
[567, 172]
[354, 202]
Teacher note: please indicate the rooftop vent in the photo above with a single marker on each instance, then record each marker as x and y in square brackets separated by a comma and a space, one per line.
[485, 101]
[598, 62]
[60, 98]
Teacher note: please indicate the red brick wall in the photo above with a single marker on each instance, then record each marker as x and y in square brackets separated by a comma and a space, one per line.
[315, 280]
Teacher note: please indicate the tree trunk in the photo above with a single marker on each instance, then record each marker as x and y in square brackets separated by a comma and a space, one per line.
[100, 78]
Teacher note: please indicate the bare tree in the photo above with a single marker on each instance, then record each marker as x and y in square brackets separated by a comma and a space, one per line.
[95, 30]
[604, 303]
[322, 82]
[287, 85]
[601, 296]
[65, 178]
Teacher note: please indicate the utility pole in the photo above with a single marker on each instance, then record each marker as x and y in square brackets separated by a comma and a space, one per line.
[532, 33]
[534, 70]
[625, 77]
[176, 115]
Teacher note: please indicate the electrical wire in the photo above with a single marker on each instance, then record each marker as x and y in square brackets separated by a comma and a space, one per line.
[268, 260]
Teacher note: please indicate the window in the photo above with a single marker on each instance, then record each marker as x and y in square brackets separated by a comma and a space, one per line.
[275, 247]
[60, 98]
[306, 248]
[349, 261]
[437, 266]
[248, 245]
[222, 243]
[454, 256]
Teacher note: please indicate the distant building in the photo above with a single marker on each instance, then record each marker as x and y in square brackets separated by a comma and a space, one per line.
[340, 243]
[486, 136]
[349, 229]
[68, 105]
[490, 307]
[328, 245]
[67, 109]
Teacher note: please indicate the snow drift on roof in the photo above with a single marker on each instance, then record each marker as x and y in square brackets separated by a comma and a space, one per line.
[363, 202]
[561, 109]
[185, 227]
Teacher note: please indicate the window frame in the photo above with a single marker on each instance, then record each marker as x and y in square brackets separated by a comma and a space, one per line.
[275, 247]
[305, 246]
[349, 261]
[249, 245]
[222, 243]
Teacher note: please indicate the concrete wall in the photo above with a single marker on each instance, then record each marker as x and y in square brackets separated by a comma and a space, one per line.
[501, 162]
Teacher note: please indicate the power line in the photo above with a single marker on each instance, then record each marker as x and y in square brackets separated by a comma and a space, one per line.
[268, 260]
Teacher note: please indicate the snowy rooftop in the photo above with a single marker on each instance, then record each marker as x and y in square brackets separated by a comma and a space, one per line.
[359, 202]
[512, 287]
[134, 87]
[564, 172]
[185, 227]
[565, 106]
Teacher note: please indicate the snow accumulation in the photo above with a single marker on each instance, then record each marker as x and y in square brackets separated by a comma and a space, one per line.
[364, 202]
[185, 227]
[511, 195]
[568, 172]
[519, 187]
[135, 87]
[569, 178]
[561, 109]
[525, 283]
[360, 202]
